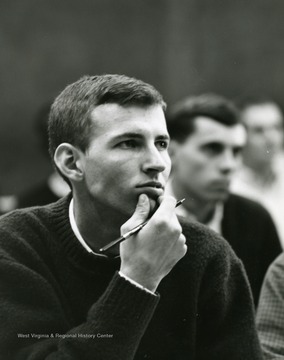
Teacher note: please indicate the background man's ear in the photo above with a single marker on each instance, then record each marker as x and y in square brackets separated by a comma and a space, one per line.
[68, 159]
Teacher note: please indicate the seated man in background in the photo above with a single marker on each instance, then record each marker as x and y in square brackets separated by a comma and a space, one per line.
[44, 192]
[261, 177]
[270, 312]
[206, 143]
[53, 187]
[62, 298]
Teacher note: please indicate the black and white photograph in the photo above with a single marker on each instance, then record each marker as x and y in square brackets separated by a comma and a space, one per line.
[141, 180]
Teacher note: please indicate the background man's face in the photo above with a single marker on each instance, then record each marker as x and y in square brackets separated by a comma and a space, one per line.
[205, 162]
[127, 156]
[265, 132]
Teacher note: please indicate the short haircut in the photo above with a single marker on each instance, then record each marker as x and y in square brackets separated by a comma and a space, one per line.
[254, 100]
[69, 119]
[181, 118]
[249, 101]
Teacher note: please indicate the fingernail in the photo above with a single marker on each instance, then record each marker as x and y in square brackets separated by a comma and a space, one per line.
[143, 198]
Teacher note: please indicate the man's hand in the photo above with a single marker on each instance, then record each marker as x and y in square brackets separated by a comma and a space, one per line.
[148, 256]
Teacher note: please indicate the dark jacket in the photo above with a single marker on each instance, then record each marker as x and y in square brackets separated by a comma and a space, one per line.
[249, 228]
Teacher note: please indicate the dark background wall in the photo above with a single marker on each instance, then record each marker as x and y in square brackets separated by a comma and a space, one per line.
[180, 46]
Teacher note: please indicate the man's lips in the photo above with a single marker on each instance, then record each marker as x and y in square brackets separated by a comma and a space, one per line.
[151, 188]
[221, 184]
[154, 184]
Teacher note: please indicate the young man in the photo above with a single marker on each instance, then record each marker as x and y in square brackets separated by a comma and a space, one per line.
[261, 177]
[207, 140]
[149, 298]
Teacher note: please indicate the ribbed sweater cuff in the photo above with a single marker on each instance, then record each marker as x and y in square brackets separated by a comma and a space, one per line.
[125, 307]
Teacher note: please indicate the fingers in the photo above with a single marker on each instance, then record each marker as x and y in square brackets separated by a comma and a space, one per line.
[182, 245]
[166, 202]
[140, 214]
[165, 216]
[178, 251]
[155, 250]
[167, 207]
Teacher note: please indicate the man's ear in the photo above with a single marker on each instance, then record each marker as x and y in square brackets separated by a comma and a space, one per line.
[68, 159]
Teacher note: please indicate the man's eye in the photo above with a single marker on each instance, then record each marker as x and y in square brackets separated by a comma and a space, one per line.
[127, 144]
[162, 144]
[258, 130]
[213, 149]
[237, 151]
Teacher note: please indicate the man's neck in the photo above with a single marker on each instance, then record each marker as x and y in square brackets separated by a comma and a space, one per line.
[97, 224]
[201, 210]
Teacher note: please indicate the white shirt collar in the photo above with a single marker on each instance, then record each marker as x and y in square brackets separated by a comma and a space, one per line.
[77, 232]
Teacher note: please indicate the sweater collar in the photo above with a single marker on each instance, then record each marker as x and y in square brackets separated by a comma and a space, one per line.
[77, 231]
[71, 247]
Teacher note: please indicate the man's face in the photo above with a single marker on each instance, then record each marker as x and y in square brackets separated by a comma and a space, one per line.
[205, 162]
[265, 132]
[127, 156]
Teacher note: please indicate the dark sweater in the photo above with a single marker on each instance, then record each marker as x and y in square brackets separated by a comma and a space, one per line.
[249, 229]
[50, 285]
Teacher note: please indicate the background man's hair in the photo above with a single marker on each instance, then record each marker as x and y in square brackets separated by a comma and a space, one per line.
[181, 118]
[247, 102]
[257, 100]
[69, 119]
[253, 100]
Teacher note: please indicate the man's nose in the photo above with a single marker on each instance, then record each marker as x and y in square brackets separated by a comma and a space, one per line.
[228, 161]
[154, 160]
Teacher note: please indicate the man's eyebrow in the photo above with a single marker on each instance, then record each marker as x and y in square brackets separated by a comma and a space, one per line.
[136, 135]
[213, 142]
[129, 135]
[163, 137]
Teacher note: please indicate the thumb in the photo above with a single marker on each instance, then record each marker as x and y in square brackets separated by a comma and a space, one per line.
[140, 214]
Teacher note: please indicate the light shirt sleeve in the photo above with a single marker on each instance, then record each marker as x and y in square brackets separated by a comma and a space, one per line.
[270, 311]
[136, 283]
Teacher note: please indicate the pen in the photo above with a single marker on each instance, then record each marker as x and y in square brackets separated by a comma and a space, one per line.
[131, 232]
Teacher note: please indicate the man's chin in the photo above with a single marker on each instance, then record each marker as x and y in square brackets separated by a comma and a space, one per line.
[222, 195]
[153, 206]
[129, 209]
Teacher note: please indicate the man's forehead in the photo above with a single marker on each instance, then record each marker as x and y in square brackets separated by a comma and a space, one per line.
[113, 111]
[113, 117]
[210, 130]
[262, 115]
